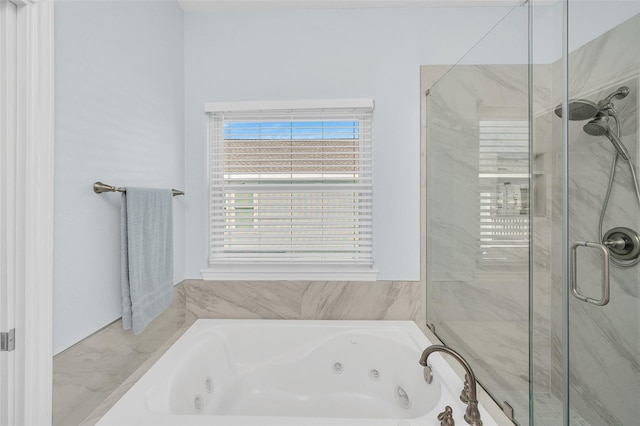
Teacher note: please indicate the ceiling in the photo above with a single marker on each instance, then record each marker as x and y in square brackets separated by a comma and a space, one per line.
[213, 5]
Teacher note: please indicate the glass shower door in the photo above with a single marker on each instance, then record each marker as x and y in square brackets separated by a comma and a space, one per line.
[477, 210]
[603, 307]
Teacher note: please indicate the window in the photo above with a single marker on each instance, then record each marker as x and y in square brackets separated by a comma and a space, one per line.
[503, 185]
[290, 186]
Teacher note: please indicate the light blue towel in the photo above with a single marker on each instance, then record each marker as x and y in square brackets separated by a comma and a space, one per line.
[146, 217]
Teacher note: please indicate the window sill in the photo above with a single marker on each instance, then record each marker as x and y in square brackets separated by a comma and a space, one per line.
[288, 272]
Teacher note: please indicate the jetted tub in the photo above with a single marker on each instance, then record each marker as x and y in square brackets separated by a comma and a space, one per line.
[293, 373]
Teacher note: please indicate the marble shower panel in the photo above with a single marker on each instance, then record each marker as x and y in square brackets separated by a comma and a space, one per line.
[604, 341]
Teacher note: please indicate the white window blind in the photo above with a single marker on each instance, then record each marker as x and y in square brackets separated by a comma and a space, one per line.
[503, 185]
[291, 186]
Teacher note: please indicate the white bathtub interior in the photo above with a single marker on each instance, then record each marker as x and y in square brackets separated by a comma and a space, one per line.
[283, 372]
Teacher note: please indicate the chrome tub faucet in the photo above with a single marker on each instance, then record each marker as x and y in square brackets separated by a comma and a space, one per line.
[468, 395]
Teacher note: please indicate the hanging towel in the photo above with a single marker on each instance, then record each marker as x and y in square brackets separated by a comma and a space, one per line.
[146, 223]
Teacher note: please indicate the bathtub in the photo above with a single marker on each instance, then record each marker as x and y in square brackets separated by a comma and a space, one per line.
[293, 373]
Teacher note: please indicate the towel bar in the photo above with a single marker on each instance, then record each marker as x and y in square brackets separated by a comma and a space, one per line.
[100, 187]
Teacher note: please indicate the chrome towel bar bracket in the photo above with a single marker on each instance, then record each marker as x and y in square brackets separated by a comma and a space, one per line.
[100, 187]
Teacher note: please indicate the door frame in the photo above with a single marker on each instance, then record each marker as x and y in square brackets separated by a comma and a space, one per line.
[29, 197]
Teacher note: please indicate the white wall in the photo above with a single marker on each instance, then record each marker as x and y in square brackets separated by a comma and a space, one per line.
[119, 118]
[121, 93]
[310, 54]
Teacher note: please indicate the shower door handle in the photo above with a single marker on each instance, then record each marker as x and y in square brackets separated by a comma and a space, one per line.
[605, 273]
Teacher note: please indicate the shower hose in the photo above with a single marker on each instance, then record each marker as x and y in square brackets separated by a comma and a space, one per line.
[612, 175]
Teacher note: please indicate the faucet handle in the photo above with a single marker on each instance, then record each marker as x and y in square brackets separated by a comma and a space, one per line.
[446, 417]
[464, 395]
[472, 415]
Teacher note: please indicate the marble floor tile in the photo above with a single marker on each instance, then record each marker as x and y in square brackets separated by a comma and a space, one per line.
[86, 373]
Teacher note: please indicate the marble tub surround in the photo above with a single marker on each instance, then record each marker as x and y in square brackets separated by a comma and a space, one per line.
[483, 397]
[88, 372]
[335, 300]
[92, 375]
[128, 382]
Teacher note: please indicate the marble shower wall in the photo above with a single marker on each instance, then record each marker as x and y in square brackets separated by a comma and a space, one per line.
[604, 341]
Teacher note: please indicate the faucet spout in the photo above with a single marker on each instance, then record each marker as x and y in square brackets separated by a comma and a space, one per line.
[472, 414]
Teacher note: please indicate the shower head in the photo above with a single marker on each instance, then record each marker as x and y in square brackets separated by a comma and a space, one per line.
[579, 109]
[620, 93]
[599, 126]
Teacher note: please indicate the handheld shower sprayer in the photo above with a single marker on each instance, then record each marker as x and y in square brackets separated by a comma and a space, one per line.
[599, 126]
[620, 93]
[607, 106]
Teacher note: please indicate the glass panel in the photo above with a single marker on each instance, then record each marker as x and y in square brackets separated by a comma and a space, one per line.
[604, 341]
[546, 184]
[478, 212]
